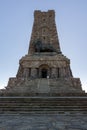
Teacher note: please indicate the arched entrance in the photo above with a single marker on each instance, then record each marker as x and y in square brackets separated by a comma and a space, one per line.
[44, 73]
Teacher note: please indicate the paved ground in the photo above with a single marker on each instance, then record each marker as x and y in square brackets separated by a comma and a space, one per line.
[43, 121]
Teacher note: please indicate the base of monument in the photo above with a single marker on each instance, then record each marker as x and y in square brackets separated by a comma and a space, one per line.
[7, 94]
[43, 87]
[43, 104]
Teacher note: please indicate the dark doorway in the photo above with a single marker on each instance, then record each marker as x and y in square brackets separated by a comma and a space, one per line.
[44, 73]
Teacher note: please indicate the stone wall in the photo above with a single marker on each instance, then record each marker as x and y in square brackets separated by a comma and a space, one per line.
[44, 29]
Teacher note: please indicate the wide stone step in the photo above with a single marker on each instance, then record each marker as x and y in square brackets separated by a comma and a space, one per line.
[44, 103]
[41, 109]
[36, 104]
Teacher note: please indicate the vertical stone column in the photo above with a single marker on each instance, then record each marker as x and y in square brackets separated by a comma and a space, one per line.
[54, 73]
[33, 72]
[63, 72]
[50, 72]
[29, 72]
[37, 73]
[68, 71]
[20, 72]
[26, 72]
[58, 72]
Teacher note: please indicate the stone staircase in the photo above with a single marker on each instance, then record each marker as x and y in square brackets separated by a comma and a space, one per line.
[43, 104]
[43, 86]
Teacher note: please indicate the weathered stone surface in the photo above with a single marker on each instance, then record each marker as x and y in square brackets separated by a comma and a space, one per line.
[76, 121]
[61, 86]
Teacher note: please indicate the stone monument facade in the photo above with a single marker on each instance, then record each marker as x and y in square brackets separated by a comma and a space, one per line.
[44, 88]
[44, 70]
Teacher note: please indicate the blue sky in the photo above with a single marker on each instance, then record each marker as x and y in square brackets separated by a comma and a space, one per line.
[16, 20]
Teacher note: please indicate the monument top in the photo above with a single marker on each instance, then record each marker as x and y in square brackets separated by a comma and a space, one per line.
[44, 36]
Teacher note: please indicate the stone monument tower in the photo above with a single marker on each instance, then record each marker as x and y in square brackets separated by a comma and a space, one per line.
[44, 87]
[44, 70]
